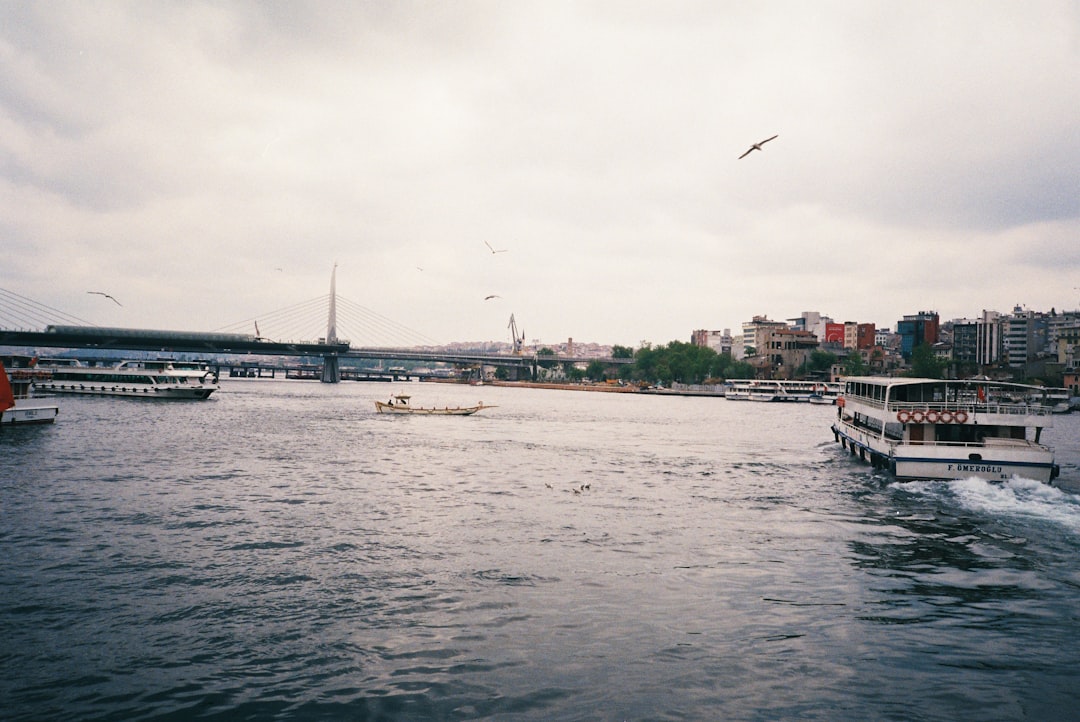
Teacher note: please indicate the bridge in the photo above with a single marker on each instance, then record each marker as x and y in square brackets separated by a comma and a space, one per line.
[56, 329]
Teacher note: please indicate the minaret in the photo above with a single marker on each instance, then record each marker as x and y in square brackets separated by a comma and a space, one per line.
[331, 373]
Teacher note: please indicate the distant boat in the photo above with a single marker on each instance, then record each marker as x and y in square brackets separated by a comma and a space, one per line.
[400, 405]
[22, 410]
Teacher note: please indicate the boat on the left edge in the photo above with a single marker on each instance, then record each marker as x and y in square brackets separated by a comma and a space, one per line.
[400, 405]
[152, 379]
[16, 405]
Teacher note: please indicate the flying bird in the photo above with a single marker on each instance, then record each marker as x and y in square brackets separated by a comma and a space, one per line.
[501, 250]
[488, 298]
[99, 293]
[757, 146]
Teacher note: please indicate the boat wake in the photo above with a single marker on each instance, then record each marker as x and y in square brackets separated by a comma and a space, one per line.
[1017, 497]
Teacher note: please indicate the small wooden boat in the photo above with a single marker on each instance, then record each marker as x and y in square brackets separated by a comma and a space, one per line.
[400, 405]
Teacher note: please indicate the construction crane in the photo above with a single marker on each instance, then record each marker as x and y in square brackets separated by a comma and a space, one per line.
[517, 340]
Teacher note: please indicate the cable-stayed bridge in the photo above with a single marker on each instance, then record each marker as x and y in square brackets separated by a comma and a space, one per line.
[329, 326]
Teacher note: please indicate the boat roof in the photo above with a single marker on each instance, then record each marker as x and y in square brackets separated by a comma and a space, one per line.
[917, 381]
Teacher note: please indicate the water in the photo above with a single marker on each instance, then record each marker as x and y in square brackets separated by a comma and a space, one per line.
[282, 552]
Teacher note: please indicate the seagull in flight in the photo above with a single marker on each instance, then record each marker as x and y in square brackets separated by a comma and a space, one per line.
[501, 250]
[488, 298]
[99, 293]
[757, 146]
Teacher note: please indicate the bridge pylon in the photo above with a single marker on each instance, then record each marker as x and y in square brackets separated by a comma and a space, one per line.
[331, 373]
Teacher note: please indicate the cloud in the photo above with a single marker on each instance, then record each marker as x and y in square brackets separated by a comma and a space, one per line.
[176, 152]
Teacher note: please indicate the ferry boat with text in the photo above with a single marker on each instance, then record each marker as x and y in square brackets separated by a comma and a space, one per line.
[158, 379]
[945, 429]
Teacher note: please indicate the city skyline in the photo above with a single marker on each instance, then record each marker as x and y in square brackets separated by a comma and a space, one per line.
[574, 164]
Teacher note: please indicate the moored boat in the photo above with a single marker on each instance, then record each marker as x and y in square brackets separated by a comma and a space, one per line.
[157, 379]
[16, 406]
[939, 429]
[400, 405]
[817, 392]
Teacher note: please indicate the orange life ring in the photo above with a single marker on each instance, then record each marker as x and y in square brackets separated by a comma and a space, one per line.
[918, 417]
[946, 417]
[932, 417]
[903, 417]
[960, 417]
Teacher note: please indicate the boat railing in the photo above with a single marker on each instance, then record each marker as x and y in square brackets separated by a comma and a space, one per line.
[970, 408]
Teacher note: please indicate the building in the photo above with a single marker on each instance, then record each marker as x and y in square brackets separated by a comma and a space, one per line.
[718, 341]
[756, 333]
[834, 333]
[865, 336]
[1024, 336]
[811, 321]
[787, 350]
[988, 338]
[1063, 336]
[965, 341]
[916, 330]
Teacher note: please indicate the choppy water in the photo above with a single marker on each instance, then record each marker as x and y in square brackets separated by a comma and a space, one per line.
[281, 551]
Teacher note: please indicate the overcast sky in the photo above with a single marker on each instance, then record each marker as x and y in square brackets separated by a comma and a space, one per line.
[177, 154]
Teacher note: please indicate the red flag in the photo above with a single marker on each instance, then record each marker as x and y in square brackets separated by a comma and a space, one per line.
[7, 395]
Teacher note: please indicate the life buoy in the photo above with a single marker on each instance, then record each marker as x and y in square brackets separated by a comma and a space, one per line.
[918, 417]
[932, 417]
[903, 417]
[946, 417]
[840, 402]
[960, 417]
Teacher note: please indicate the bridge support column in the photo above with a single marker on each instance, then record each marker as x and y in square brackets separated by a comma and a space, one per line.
[331, 372]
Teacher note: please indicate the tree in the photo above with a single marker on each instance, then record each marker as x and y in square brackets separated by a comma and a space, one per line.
[854, 365]
[546, 358]
[820, 360]
[622, 352]
[925, 363]
[595, 371]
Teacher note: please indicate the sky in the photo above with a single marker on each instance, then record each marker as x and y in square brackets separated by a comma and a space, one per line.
[207, 163]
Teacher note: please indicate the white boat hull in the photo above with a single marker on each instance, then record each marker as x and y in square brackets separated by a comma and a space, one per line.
[997, 461]
[385, 408]
[143, 391]
[24, 413]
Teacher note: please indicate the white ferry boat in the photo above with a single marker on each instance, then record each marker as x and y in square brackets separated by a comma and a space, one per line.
[935, 429]
[782, 390]
[1058, 399]
[160, 379]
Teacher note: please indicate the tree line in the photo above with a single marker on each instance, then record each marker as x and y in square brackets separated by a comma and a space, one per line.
[687, 363]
